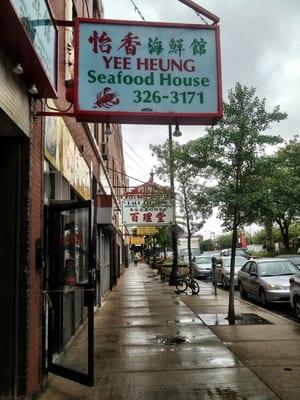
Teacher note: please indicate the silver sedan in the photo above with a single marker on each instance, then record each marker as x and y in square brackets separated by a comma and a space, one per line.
[222, 269]
[267, 279]
[201, 266]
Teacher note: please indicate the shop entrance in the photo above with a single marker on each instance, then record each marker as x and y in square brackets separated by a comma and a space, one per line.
[70, 292]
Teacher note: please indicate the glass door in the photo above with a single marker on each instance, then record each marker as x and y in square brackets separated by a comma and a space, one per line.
[70, 292]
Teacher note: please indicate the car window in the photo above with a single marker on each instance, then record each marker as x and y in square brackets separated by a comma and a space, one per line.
[239, 261]
[296, 260]
[240, 252]
[202, 260]
[277, 268]
[253, 268]
[246, 267]
[225, 252]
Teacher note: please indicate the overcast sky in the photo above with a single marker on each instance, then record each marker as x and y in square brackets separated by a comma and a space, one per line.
[260, 47]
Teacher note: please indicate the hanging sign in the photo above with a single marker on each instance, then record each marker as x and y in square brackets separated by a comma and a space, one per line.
[147, 230]
[29, 35]
[135, 212]
[146, 72]
[136, 240]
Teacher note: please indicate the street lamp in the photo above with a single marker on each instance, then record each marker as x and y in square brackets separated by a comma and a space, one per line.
[107, 130]
[175, 270]
[177, 132]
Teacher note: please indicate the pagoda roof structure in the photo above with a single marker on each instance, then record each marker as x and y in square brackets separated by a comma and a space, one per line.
[148, 188]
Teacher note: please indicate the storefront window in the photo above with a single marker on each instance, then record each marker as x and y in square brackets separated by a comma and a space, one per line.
[76, 239]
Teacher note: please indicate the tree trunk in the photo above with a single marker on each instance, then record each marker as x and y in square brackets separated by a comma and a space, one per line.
[284, 229]
[231, 310]
[270, 246]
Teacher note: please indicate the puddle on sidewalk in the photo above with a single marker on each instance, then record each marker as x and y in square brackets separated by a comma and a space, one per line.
[171, 340]
[240, 319]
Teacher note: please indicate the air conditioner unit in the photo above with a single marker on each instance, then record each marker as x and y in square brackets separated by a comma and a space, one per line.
[104, 151]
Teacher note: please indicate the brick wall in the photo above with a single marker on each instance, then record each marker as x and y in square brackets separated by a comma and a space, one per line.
[34, 278]
[30, 280]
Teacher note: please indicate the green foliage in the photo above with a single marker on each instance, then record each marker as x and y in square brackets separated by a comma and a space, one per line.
[231, 151]
[208, 245]
[294, 231]
[194, 199]
[225, 241]
[162, 238]
[259, 237]
[279, 200]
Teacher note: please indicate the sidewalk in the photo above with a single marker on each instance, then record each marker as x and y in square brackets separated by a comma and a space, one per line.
[240, 362]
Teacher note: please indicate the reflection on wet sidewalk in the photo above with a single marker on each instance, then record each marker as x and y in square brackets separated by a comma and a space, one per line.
[151, 344]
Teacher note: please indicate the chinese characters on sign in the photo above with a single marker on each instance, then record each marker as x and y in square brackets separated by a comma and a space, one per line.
[102, 43]
[136, 212]
[144, 68]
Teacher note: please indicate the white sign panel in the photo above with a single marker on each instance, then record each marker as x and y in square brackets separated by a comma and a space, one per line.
[132, 70]
[136, 212]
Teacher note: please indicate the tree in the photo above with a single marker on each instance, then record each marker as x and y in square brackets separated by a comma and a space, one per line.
[225, 241]
[208, 245]
[160, 241]
[259, 237]
[193, 198]
[286, 188]
[281, 185]
[294, 235]
[231, 150]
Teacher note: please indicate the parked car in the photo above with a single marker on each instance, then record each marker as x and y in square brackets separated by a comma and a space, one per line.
[201, 266]
[185, 254]
[295, 258]
[238, 252]
[295, 294]
[222, 269]
[267, 279]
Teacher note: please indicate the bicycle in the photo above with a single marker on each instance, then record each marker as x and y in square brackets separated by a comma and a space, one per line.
[187, 281]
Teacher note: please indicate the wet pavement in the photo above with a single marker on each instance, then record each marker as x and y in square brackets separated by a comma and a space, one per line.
[151, 343]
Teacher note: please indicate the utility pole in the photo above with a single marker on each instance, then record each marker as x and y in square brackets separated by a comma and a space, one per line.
[175, 270]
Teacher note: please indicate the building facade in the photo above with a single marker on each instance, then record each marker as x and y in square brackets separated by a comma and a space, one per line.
[62, 245]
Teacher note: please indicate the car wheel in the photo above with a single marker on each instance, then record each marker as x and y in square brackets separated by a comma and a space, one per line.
[243, 292]
[224, 284]
[262, 298]
[297, 307]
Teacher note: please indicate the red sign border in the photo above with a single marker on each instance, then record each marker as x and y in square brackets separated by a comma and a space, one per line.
[150, 118]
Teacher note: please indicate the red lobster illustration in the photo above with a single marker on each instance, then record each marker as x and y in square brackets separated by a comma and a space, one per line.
[106, 98]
